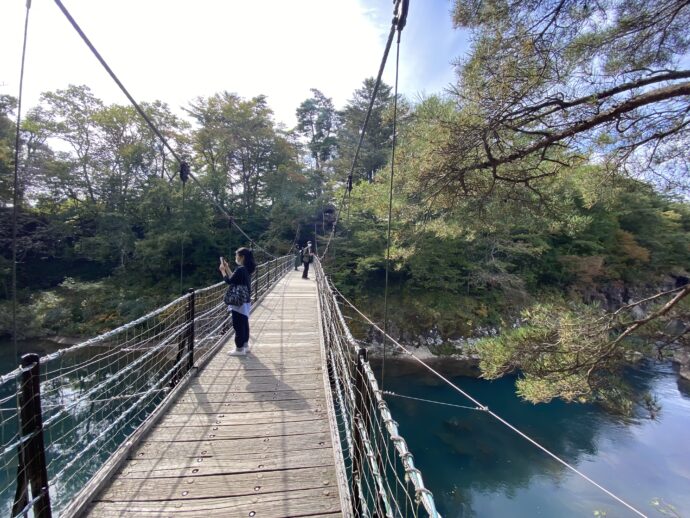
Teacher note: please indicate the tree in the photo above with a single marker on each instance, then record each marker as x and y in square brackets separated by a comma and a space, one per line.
[69, 115]
[554, 87]
[552, 83]
[317, 121]
[377, 142]
[238, 147]
[7, 134]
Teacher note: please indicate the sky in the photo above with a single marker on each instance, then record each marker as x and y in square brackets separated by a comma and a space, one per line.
[175, 51]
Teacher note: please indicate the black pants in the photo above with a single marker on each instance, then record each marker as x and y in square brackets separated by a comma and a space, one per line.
[305, 273]
[240, 323]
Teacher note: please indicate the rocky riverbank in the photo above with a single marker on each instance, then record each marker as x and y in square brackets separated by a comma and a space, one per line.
[432, 348]
[681, 357]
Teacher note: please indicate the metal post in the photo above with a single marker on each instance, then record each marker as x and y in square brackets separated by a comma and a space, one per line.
[190, 329]
[180, 352]
[268, 283]
[33, 452]
[358, 453]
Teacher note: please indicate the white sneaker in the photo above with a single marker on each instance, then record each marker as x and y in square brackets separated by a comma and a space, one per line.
[247, 347]
[239, 352]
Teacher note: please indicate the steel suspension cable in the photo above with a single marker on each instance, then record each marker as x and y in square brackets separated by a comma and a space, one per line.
[485, 408]
[400, 26]
[399, 15]
[182, 237]
[115, 78]
[150, 123]
[15, 184]
[464, 407]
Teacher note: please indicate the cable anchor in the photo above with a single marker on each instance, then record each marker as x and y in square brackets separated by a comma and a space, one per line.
[184, 172]
[400, 14]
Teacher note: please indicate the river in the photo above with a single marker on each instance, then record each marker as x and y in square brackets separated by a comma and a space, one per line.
[475, 466]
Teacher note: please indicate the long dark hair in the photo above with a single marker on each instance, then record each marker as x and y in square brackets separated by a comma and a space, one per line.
[248, 256]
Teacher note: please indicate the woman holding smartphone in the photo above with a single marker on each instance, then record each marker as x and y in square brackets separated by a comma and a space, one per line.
[240, 314]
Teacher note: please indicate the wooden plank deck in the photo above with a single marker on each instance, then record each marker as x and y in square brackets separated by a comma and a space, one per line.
[250, 436]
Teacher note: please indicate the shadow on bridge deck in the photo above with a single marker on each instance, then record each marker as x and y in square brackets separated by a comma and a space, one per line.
[249, 436]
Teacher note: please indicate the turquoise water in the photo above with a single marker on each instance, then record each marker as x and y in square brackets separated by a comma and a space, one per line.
[475, 466]
[89, 430]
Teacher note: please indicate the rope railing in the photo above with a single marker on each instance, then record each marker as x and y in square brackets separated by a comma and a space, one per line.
[381, 474]
[63, 415]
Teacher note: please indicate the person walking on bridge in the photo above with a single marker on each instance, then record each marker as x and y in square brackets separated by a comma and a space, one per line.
[307, 258]
[238, 296]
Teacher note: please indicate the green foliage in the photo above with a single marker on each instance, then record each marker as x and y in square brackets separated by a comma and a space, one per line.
[376, 147]
[76, 308]
[546, 85]
[105, 221]
[665, 508]
[316, 120]
[7, 134]
[567, 350]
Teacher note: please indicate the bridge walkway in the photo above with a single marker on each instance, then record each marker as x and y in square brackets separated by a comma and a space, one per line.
[249, 436]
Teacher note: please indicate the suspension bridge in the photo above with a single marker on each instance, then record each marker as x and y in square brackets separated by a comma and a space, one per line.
[154, 418]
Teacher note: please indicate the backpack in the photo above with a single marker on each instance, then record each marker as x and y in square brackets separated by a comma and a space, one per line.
[308, 256]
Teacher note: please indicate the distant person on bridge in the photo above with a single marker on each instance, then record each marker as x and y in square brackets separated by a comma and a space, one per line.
[307, 257]
[241, 277]
[298, 256]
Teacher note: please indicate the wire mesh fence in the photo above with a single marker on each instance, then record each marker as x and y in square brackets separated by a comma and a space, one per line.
[381, 476]
[94, 395]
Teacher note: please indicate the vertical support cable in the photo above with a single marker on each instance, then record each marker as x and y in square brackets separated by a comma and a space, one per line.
[190, 329]
[400, 23]
[15, 188]
[358, 443]
[33, 449]
[316, 241]
[184, 175]
[268, 284]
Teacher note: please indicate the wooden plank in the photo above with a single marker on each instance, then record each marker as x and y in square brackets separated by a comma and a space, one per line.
[258, 385]
[294, 504]
[243, 462]
[247, 406]
[271, 416]
[231, 448]
[251, 395]
[243, 431]
[249, 434]
[253, 363]
[260, 373]
[219, 486]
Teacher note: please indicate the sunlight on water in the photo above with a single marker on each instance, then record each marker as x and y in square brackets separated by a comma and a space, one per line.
[84, 429]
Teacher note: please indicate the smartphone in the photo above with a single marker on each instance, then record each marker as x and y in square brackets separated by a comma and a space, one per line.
[222, 260]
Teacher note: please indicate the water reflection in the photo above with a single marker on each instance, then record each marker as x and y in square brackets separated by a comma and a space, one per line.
[477, 467]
